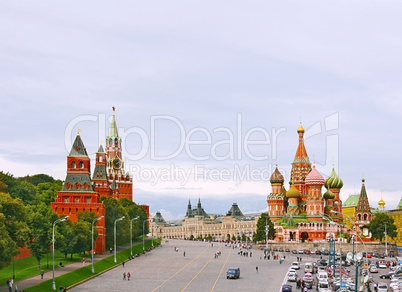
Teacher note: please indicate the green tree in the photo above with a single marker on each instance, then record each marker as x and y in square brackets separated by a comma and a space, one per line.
[114, 211]
[8, 247]
[260, 234]
[46, 192]
[40, 222]
[37, 179]
[377, 226]
[15, 214]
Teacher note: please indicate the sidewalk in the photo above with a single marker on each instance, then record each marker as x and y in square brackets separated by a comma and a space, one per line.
[23, 284]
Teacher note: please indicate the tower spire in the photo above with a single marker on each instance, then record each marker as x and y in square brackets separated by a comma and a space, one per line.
[113, 127]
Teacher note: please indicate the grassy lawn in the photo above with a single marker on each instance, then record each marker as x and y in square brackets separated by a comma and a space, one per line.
[28, 267]
[85, 273]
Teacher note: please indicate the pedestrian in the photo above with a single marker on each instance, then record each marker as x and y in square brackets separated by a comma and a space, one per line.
[111, 250]
[61, 289]
[123, 263]
[83, 261]
[256, 269]
[124, 275]
[128, 276]
[64, 289]
[184, 253]
[41, 274]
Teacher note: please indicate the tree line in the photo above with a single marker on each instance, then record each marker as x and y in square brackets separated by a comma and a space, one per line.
[26, 219]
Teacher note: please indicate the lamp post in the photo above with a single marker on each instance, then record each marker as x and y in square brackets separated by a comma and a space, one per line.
[266, 234]
[119, 219]
[131, 235]
[92, 252]
[385, 234]
[54, 224]
[357, 256]
[143, 231]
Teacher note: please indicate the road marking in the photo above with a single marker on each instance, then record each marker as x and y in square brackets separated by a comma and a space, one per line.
[220, 273]
[171, 277]
[196, 275]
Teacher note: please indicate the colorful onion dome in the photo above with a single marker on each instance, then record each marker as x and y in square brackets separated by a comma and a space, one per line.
[333, 181]
[293, 192]
[276, 177]
[314, 178]
[300, 129]
[328, 195]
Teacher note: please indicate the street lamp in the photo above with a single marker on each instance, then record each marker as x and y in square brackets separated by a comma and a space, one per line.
[266, 234]
[143, 231]
[119, 219]
[385, 233]
[92, 253]
[54, 224]
[131, 235]
[357, 256]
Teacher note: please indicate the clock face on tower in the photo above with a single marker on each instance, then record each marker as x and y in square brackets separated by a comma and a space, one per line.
[116, 162]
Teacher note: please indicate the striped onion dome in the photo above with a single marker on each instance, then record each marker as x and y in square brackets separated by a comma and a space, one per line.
[328, 195]
[293, 192]
[333, 181]
[276, 177]
[314, 178]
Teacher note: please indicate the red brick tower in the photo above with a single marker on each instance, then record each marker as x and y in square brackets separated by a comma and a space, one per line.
[122, 183]
[77, 194]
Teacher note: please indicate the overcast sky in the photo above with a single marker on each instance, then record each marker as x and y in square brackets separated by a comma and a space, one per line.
[208, 94]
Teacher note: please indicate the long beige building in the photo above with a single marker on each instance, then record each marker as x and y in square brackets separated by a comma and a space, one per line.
[200, 225]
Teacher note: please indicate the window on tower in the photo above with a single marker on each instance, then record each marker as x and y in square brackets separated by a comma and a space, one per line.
[81, 164]
[73, 164]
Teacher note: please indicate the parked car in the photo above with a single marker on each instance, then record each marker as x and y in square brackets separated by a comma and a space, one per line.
[373, 269]
[318, 252]
[382, 265]
[294, 251]
[382, 287]
[387, 276]
[287, 250]
[295, 266]
[286, 288]
[292, 276]
[306, 251]
[281, 249]
[233, 273]
[323, 287]
[301, 251]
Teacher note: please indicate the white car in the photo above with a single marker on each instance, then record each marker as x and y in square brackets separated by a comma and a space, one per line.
[295, 266]
[382, 287]
[382, 265]
[323, 287]
[292, 276]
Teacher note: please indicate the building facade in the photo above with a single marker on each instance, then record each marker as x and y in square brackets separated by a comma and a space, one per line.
[81, 193]
[302, 212]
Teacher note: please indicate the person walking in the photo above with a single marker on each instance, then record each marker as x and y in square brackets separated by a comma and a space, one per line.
[124, 275]
[256, 269]
[184, 254]
[128, 276]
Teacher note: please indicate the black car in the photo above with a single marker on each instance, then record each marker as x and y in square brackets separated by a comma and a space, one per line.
[294, 251]
[287, 250]
[318, 252]
[281, 249]
[387, 276]
[325, 252]
[275, 249]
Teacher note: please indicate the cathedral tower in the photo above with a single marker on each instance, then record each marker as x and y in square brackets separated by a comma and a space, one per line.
[301, 166]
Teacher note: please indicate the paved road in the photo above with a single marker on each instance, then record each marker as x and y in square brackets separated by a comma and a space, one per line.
[163, 269]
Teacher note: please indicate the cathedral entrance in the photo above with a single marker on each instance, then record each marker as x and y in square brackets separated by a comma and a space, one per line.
[304, 236]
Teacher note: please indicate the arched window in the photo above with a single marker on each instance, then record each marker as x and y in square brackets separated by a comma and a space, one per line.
[359, 217]
[365, 217]
[81, 164]
[100, 158]
[77, 186]
[73, 164]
